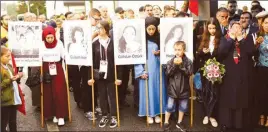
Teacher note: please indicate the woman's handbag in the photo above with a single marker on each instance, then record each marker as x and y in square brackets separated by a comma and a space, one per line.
[33, 79]
[197, 81]
[47, 78]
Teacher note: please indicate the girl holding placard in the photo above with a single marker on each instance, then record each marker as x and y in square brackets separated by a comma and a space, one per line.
[54, 83]
[152, 74]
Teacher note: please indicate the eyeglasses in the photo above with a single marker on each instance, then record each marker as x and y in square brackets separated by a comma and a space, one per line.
[96, 19]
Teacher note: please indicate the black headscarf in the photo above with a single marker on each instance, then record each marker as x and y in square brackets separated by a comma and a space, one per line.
[156, 37]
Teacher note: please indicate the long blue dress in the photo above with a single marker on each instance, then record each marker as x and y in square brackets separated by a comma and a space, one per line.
[153, 64]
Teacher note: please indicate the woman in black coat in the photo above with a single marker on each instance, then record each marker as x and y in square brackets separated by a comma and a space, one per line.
[236, 54]
[104, 73]
[208, 50]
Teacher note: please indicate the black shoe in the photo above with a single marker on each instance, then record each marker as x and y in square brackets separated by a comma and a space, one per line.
[71, 89]
[124, 104]
[181, 127]
[223, 128]
[104, 120]
[166, 126]
[113, 122]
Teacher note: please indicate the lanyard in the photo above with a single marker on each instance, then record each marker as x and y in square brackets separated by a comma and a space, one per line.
[104, 49]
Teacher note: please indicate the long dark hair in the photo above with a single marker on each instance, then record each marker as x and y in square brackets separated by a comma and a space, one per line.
[170, 34]
[122, 41]
[206, 35]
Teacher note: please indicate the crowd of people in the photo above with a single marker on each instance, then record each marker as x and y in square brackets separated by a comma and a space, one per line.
[236, 38]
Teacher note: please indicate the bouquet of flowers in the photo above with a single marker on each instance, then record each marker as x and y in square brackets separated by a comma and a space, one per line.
[213, 70]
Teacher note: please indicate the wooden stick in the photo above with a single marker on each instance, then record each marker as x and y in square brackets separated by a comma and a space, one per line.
[192, 101]
[68, 94]
[42, 97]
[93, 98]
[161, 97]
[116, 92]
[147, 103]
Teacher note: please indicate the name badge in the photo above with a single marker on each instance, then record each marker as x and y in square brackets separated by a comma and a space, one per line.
[52, 69]
[103, 66]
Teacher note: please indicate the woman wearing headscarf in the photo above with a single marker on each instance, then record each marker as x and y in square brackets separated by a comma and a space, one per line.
[152, 74]
[55, 91]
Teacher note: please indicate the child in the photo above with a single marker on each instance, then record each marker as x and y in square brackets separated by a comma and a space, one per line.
[55, 90]
[178, 72]
[10, 94]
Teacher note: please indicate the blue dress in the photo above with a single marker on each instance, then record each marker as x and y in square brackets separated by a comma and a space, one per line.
[153, 64]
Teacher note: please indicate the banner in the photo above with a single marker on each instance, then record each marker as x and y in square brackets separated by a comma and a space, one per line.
[77, 42]
[129, 42]
[173, 30]
[24, 41]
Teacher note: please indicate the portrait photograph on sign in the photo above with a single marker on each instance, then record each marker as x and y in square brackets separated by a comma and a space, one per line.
[77, 39]
[25, 42]
[173, 30]
[129, 42]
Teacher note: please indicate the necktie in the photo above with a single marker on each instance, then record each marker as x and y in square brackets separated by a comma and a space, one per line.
[236, 54]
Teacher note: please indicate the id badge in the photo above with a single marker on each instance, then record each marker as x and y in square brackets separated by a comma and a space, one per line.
[52, 69]
[103, 66]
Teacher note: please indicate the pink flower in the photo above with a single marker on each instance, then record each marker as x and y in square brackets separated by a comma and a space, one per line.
[216, 67]
[216, 74]
[209, 75]
[209, 67]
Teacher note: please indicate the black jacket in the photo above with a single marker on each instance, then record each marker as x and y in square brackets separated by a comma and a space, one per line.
[178, 78]
[110, 58]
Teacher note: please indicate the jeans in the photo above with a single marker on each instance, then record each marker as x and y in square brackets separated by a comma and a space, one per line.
[171, 105]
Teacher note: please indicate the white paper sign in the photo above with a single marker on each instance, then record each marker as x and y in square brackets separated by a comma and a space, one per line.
[77, 42]
[173, 30]
[129, 42]
[25, 40]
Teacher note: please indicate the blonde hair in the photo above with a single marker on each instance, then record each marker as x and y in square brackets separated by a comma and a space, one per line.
[4, 50]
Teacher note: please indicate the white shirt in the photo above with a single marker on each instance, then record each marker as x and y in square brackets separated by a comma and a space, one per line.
[211, 44]
[54, 54]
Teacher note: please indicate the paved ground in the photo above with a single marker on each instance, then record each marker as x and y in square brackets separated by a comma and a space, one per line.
[129, 119]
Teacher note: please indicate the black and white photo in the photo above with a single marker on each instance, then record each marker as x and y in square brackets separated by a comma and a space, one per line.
[173, 30]
[27, 37]
[77, 42]
[129, 42]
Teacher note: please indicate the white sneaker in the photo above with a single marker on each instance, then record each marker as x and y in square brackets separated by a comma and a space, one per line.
[61, 122]
[213, 122]
[150, 120]
[55, 120]
[157, 119]
[205, 120]
[98, 110]
[89, 115]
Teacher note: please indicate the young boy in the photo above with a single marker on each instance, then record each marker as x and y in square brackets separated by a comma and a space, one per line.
[178, 72]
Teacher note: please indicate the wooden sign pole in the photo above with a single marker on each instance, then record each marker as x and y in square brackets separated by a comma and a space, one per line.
[42, 97]
[68, 94]
[147, 98]
[161, 96]
[116, 92]
[93, 99]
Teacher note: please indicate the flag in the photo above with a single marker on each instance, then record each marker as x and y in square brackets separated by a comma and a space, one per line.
[193, 6]
[21, 108]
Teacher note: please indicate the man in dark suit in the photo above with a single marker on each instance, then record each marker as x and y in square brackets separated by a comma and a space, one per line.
[222, 17]
[250, 35]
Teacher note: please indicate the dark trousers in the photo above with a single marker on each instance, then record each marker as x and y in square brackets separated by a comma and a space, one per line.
[107, 97]
[122, 89]
[87, 90]
[235, 118]
[136, 89]
[9, 116]
[75, 81]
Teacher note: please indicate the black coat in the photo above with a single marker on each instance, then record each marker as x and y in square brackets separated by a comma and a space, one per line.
[110, 58]
[235, 87]
[178, 78]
